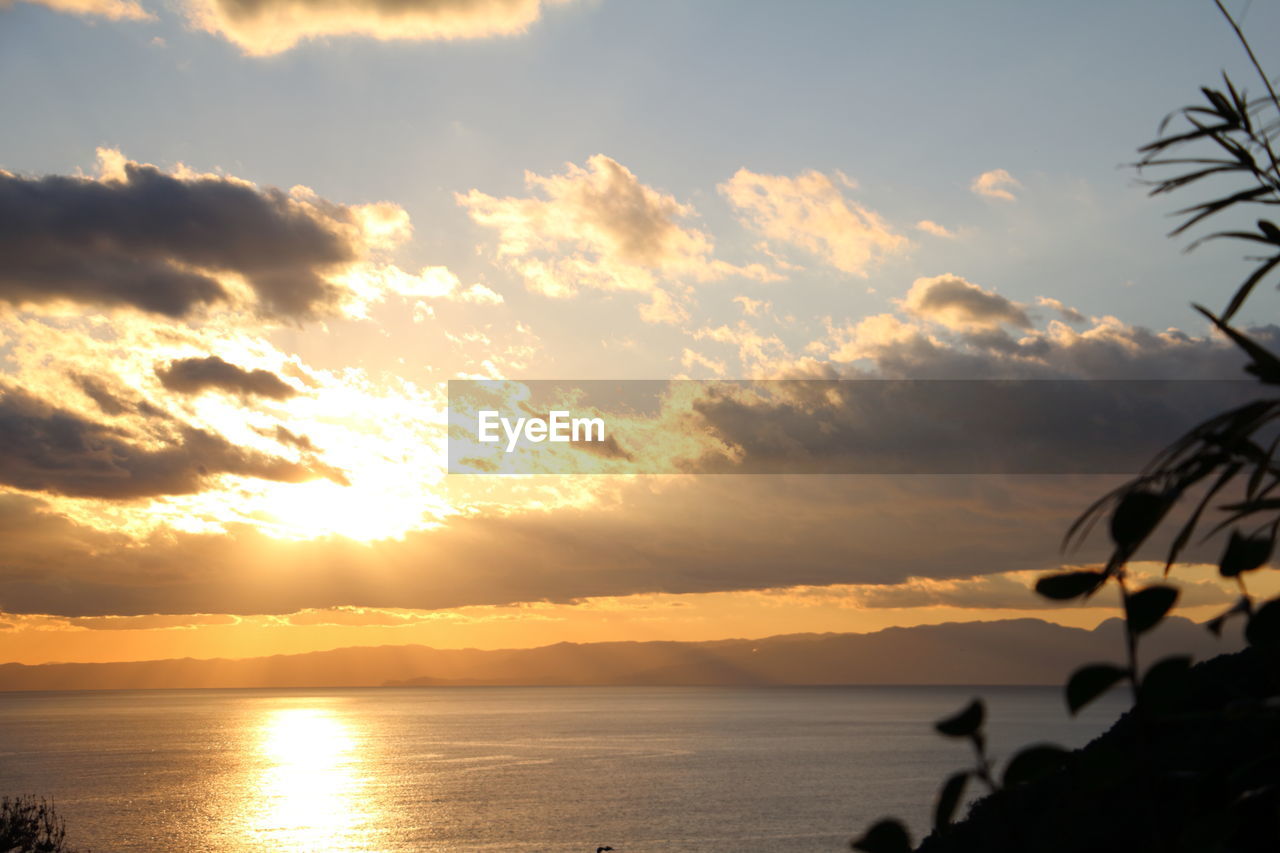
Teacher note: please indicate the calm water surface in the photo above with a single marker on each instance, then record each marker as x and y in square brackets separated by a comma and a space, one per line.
[512, 769]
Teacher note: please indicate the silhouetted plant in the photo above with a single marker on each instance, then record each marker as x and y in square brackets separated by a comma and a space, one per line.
[31, 825]
[1236, 807]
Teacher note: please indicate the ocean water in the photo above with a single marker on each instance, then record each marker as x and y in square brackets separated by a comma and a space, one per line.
[510, 769]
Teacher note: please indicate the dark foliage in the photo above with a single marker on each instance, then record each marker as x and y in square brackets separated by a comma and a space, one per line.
[31, 825]
[1199, 777]
[1195, 764]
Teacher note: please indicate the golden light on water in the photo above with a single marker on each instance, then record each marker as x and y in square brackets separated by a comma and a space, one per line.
[310, 793]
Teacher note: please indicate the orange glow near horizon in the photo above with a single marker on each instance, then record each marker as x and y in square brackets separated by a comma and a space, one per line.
[686, 617]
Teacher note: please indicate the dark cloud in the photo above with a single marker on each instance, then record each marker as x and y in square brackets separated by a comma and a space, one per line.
[694, 535]
[1109, 350]
[978, 400]
[156, 241]
[292, 439]
[113, 402]
[46, 449]
[109, 403]
[193, 375]
[952, 301]
[700, 535]
[954, 426]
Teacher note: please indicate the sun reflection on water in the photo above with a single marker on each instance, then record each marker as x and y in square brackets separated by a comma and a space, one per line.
[310, 792]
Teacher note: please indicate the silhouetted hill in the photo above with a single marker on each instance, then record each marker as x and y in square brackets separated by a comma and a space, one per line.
[1199, 776]
[1016, 651]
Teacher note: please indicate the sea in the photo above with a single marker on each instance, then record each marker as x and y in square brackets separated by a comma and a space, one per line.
[504, 768]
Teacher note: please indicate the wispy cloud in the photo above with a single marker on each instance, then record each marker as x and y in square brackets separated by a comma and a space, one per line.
[928, 226]
[114, 10]
[997, 183]
[264, 27]
[811, 212]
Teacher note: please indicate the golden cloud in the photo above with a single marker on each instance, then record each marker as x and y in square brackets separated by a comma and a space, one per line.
[812, 213]
[600, 228]
[264, 27]
[997, 184]
[114, 10]
[951, 301]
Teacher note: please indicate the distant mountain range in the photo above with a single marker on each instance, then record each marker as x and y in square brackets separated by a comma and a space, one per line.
[1014, 651]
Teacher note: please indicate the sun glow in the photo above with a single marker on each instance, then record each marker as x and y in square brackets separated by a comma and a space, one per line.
[321, 508]
[310, 791]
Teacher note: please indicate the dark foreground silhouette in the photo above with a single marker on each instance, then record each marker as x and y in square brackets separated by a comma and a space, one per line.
[31, 825]
[1202, 776]
[1195, 765]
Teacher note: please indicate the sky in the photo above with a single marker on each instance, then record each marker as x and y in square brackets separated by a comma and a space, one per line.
[245, 243]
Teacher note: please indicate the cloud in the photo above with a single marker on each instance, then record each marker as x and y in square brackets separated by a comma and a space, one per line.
[601, 228]
[763, 354]
[108, 402]
[690, 359]
[895, 348]
[440, 283]
[152, 622]
[1065, 312]
[114, 10]
[157, 242]
[264, 27]
[753, 307]
[997, 183]
[810, 212]
[175, 244]
[292, 439]
[958, 304]
[43, 448]
[682, 535]
[931, 227]
[1006, 591]
[370, 616]
[938, 427]
[194, 375]
[686, 535]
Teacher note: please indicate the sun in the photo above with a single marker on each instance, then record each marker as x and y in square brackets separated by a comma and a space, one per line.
[363, 511]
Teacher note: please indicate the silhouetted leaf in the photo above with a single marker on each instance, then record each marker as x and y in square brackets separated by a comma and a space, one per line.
[1184, 535]
[886, 836]
[949, 798]
[1090, 682]
[1265, 365]
[1165, 684]
[1247, 287]
[965, 723]
[1069, 585]
[1244, 554]
[1135, 516]
[1146, 607]
[1264, 625]
[1033, 762]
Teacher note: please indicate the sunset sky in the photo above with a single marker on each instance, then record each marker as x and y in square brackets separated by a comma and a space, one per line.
[245, 243]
